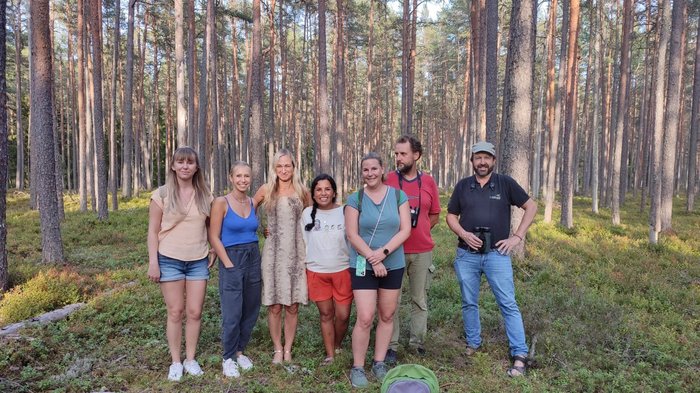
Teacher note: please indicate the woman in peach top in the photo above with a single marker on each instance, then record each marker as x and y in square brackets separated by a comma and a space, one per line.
[178, 254]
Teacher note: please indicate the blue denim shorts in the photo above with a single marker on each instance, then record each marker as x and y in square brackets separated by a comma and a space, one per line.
[172, 269]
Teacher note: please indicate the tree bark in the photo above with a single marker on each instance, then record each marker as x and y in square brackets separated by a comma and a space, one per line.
[257, 147]
[370, 59]
[664, 29]
[672, 121]
[567, 197]
[181, 111]
[693, 137]
[492, 68]
[98, 117]
[324, 141]
[127, 115]
[621, 108]
[517, 100]
[191, 82]
[4, 142]
[339, 93]
[203, 100]
[113, 174]
[43, 160]
[554, 105]
[20, 173]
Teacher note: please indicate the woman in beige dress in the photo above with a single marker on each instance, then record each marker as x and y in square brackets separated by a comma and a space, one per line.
[283, 198]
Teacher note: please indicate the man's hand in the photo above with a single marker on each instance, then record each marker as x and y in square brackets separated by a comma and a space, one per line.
[505, 246]
[472, 240]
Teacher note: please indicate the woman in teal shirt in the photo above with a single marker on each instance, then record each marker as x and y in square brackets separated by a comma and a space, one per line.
[377, 222]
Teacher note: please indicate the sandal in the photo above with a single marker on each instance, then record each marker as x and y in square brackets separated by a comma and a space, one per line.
[277, 356]
[518, 371]
[327, 361]
[287, 356]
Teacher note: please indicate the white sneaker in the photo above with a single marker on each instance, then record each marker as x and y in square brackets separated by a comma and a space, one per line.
[244, 362]
[175, 372]
[230, 368]
[192, 367]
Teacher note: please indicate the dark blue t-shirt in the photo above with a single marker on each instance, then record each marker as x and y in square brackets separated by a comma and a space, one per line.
[487, 206]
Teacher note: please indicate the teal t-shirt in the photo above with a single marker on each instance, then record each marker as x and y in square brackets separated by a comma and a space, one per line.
[388, 226]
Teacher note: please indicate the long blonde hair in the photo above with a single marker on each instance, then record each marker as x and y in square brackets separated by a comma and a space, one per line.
[272, 185]
[202, 194]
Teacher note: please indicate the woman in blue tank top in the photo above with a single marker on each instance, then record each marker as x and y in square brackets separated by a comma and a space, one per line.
[233, 235]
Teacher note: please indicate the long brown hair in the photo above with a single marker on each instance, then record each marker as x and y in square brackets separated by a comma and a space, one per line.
[202, 194]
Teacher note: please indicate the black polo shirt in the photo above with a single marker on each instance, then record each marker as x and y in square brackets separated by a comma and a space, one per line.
[487, 206]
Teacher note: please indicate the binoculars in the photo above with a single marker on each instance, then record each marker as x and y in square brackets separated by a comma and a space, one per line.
[414, 216]
[484, 234]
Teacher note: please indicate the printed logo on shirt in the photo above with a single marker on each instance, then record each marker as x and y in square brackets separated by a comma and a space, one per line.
[318, 226]
[496, 197]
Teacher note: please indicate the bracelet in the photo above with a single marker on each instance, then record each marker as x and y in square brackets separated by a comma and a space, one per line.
[516, 235]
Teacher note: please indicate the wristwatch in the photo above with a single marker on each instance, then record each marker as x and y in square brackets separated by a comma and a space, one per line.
[386, 251]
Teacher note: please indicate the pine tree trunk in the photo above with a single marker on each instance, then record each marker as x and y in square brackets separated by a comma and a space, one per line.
[113, 174]
[4, 142]
[491, 69]
[20, 174]
[203, 110]
[517, 100]
[567, 197]
[98, 117]
[370, 76]
[43, 160]
[339, 92]
[324, 140]
[180, 72]
[554, 105]
[693, 137]
[621, 109]
[191, 82]
[664, 29]
[127, 114]
[672, 121]
[257, 147]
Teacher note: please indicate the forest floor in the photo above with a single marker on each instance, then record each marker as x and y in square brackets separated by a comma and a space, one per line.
[609, 312]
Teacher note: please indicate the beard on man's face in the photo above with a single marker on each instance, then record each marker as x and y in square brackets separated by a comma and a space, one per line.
[483, 170]
[405, 168]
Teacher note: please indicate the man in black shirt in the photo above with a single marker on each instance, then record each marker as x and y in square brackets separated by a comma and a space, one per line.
[479, 214]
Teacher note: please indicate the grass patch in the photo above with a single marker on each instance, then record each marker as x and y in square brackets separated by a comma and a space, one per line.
[609, 312]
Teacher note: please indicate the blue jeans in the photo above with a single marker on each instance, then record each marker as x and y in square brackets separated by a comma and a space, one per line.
[240, 289]
[499, 274]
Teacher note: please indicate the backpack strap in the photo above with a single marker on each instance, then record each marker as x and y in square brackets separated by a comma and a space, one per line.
[361, 193]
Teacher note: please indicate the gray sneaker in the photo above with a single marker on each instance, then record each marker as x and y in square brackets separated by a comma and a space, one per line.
[379, 369]
[390, 356]
[358, 379]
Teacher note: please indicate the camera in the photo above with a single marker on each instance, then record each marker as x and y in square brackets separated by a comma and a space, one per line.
[484, 234]
[414, 216]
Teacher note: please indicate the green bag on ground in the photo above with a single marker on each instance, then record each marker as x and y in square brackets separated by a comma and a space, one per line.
[410, 378]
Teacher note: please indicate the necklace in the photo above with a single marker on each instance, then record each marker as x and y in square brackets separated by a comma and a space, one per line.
[238, 200]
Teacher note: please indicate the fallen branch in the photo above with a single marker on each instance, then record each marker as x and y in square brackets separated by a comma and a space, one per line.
[42, 319]
[51, 316]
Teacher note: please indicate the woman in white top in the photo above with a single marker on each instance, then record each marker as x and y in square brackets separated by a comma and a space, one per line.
[327, 267]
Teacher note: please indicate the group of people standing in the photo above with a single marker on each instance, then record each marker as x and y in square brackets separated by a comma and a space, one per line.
[333, 255]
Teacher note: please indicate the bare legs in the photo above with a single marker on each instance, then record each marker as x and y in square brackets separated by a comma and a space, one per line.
[177, 305]
[274, 322]
[366, 303]
[334, 324]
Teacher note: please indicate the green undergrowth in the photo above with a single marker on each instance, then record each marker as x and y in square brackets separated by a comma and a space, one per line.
[605, 310]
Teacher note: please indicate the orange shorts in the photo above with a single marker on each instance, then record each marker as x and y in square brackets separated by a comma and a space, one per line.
[324, 286]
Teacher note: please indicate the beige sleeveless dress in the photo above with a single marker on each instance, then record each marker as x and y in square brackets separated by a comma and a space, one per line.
[284, 255]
